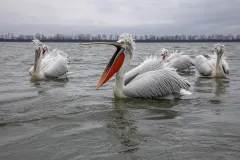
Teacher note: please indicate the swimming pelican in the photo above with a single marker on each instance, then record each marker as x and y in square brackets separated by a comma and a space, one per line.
[150, 84]
[213, 65]
[177, 60]
[54, 65]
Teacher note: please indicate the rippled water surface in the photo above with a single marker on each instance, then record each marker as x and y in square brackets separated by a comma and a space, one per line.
[70, 119]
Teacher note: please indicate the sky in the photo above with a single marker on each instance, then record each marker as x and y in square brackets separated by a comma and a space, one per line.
[139, 17]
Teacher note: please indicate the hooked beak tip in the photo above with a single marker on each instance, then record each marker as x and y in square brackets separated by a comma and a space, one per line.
[97, 87]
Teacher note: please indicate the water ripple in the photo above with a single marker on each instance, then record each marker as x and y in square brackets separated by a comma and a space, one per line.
[70, 119]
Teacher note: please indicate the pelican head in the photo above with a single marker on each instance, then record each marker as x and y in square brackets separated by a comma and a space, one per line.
[36, 42]
[219, 49]
[125, 49]
[45, 49]
[165, 53]
[126, 41]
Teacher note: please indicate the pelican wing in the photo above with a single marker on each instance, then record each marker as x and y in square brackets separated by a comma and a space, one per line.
[31, 71]
[150, 64]
[173, 56]
[56, 68]
[45, 62]
[204, 65]
[225, 67]
[156, 84]
[56, 53]
[181, 62]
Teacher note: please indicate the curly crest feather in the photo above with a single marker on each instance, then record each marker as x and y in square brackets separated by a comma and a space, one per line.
[128, 39]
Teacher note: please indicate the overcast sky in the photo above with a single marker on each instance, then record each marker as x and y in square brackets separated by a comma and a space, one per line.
[160, 17]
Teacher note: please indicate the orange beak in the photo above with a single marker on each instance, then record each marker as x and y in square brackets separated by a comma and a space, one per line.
[113, 65]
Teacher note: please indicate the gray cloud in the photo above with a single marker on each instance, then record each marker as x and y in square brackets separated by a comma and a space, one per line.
[161, 17]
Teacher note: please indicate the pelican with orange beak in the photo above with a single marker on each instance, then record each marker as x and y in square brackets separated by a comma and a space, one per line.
[140, 84]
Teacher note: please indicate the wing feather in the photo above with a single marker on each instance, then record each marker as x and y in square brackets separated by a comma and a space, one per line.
[156, 84]
[57, 65]
[181, 63]
[204, 66]
[150, 64]
[56, 69]
[225, 67]
[31, 71]
[174, 55]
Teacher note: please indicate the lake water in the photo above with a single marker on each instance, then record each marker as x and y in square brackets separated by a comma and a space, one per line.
[70, 119]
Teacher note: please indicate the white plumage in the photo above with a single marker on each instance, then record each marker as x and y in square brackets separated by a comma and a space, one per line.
[213, 65]
[151, 63]
[177, 60]
[158, 83]
[151, 79]
[50, 65]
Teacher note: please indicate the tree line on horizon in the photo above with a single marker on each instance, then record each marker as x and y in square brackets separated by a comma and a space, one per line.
[89, 37]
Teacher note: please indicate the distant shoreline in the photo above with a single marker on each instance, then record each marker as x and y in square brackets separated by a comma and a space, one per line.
[137, 41]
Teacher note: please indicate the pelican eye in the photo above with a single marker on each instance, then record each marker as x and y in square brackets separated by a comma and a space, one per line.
[122, 43]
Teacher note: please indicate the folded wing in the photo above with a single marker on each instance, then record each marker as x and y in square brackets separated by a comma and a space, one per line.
[155, 84]
[204, 65]
[182, 62]
[57, 67]
[150, 64]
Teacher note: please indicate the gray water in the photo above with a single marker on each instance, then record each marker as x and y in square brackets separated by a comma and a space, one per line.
[70, 119]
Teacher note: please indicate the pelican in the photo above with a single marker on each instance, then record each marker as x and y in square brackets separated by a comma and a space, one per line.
[53, 65]
[150, 84]
[45, 50]
[177, 60]
[213, 65]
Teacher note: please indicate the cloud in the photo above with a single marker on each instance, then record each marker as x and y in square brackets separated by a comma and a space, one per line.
[161, 17]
